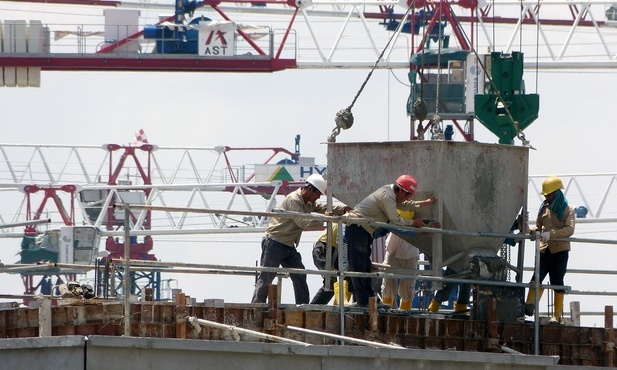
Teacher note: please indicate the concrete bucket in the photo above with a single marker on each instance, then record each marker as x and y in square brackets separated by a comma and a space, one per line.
[479, 187]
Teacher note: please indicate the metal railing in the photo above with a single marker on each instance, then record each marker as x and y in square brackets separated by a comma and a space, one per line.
[129, 265]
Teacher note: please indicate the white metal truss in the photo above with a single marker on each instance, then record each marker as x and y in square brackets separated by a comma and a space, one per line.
[193, 177]
[351, 34]
[596, 192]
[181, 177]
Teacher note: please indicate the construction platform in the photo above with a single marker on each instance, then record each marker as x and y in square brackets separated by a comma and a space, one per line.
[432, 339]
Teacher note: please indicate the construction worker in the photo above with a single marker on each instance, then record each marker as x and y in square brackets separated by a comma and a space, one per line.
[380, 206]
[282, 237]
[323, 295]
[402, 255]
[555, 220]
[442, 295]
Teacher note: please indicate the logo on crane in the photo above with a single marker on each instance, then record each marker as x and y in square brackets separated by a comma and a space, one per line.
[217, 40]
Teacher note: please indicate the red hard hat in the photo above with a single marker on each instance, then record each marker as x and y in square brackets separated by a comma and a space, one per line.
[407, 183]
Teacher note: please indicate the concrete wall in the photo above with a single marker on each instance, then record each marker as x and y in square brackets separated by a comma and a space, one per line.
[100, 352]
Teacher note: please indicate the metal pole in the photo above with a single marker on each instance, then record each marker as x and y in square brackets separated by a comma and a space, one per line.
[340, 337]
[536, 302]
[127, 276]
[342, 266]
[231, 328]
[25, 223]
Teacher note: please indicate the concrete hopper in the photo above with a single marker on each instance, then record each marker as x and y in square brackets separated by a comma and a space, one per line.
[479, 187]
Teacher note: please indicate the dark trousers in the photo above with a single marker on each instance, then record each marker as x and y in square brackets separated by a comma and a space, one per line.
[464, 290]
[555, 265]
[275, 254]
[323, 295]
[359, 255]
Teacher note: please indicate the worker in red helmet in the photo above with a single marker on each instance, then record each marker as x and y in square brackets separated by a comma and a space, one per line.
[282, 237]
[381, 206]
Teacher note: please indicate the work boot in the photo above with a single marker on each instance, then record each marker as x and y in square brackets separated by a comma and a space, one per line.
[530, 301]
[405, 305]
[388, 300]
[460, 308]
[335, 288]
[347, 293]
[434, 306]
[556, 319]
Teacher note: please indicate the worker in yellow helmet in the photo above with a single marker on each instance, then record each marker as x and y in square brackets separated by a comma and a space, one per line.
[400, 254]
[323, 295]
[555, 220]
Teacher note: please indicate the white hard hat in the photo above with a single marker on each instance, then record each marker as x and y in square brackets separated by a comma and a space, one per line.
[318, 182]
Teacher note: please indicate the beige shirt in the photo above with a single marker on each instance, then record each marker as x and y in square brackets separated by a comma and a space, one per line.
[323, 238]
[381, 206]
[287, 230]
[548, 221]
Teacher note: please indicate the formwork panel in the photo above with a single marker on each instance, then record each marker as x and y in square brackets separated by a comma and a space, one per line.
[480, 187]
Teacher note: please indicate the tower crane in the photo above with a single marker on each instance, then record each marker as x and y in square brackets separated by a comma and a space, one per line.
[286, 47]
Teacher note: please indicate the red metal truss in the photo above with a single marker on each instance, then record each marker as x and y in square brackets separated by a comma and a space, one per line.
[49, 192]
[149, 63]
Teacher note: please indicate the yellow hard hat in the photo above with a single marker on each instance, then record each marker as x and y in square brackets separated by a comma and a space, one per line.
[406, 214]
[551, 184]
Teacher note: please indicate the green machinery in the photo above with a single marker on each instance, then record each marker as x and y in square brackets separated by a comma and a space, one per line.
[507, 90]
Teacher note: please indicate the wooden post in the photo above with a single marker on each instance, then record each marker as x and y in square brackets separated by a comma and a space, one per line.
[373, 315]
[609, 337]
[493, 326]
[180, 316]
[45, 317]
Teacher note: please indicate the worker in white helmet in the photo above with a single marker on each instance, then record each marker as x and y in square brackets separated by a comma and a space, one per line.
[556, 220]
[282, 237]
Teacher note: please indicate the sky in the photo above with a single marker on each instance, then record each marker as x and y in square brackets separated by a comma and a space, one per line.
[573, 135]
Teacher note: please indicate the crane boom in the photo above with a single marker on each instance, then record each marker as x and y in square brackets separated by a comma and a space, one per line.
[321, 34]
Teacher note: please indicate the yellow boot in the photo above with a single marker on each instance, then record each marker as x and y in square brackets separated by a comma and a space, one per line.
[335, 288]
[556, 319]
[405, 305]
[530, 301]
[434, 306]
[388, 300]
[460, 308]
[348, 294]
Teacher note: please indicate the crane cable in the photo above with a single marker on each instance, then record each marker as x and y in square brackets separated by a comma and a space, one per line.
[420, 110]
[436, 120]
[419, 106]
[344, 117]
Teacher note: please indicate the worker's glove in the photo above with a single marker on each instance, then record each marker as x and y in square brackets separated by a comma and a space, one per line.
[532, 232]
[545, 236]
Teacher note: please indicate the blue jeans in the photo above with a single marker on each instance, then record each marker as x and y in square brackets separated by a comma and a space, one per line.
[275, 254]
[464, 290]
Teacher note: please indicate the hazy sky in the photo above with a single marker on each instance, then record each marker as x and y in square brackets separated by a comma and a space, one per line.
[573, 135]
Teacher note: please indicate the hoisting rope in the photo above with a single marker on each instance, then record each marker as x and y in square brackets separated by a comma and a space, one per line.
[419, 106]
[344, 117]
[420, 110]
[436, 120]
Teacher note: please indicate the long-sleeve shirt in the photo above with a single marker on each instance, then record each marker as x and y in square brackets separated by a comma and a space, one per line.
[323, 238]
[548, 221]
[287, 230]
[381, 206]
